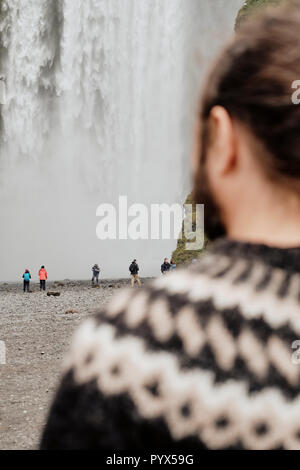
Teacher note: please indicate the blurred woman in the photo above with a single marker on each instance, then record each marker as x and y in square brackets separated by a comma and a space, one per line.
[209, 357]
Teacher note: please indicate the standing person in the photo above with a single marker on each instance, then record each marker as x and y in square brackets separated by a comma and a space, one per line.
[172, 265]
[134, 270]
[165, 267]
[43, 277]
[96, 271]
[26, 276]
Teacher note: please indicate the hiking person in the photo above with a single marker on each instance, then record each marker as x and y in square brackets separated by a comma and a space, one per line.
[43, 277]
[165, 267]
[26, 280]
[96, 271]
[204, 359]
[134, 270]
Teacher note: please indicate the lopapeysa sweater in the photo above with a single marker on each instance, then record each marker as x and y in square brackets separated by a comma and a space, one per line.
[204, 357]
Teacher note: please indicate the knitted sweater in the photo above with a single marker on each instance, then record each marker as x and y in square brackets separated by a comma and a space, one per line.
[200, 358]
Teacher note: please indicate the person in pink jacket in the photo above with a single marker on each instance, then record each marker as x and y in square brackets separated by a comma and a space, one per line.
[43, 277]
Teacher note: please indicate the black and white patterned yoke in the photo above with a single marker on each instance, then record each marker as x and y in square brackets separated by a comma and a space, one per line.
[200, 358]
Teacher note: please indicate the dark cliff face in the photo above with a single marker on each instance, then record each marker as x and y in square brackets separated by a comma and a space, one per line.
[250, 6]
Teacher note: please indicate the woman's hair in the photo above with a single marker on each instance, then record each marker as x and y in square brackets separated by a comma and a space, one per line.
[253, 80]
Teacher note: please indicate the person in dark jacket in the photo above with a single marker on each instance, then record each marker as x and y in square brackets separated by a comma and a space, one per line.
[165, 267]
[96, 271]
[134, 271]
[26, 276]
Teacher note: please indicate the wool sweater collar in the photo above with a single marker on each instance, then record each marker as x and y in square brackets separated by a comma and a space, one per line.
[283, 258]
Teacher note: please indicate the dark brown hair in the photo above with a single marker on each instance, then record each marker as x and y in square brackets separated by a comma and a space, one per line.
[253, 79]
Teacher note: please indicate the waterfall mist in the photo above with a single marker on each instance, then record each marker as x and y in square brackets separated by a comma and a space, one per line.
[100, 102]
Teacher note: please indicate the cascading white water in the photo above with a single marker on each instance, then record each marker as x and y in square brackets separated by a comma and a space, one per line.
[100, 99]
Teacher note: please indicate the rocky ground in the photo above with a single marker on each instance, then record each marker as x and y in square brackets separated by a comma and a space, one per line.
[37, 330]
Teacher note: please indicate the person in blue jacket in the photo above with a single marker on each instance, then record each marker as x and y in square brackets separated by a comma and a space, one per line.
[172, 265]
[26, 277]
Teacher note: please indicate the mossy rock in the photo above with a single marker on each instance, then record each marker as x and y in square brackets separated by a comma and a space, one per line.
[182, 256]
[251, 6]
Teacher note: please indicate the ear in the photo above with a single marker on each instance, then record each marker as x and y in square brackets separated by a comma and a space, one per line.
[222, 151]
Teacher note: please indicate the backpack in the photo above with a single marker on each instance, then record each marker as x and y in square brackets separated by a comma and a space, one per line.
[26, 276]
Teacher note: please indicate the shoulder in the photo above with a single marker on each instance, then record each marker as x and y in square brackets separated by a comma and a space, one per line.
[202, 339]
[166, 345]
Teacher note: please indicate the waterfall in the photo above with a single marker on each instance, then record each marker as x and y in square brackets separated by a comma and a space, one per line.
[99, 102]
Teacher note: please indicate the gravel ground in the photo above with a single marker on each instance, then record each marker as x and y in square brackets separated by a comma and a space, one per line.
[37, 331]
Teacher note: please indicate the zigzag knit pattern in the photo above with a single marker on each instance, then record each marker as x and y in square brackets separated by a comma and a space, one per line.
[200, 358]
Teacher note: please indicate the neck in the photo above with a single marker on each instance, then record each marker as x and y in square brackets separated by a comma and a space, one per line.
[273, 221]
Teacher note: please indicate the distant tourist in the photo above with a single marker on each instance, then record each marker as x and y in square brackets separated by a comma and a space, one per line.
[26, 283]
[172, 265]
[165, 267]
[43, 277]
[96, 271]
[134, 270]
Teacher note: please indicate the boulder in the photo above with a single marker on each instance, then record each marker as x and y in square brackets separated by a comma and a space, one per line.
[55, 294]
